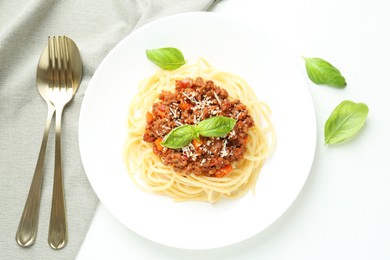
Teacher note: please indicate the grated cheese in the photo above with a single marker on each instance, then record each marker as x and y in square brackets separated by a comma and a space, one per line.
[174, 113]
[223, 151]
[216, 96]
[202, 162]
[198, 105]
[214, 112]
[189, 151]
[232, 134]
[238, 115]
[190, 98]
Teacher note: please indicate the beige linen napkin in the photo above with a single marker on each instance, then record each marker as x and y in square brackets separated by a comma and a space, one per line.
[96, 27]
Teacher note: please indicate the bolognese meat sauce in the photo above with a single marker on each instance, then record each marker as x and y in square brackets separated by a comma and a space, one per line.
[193, 101]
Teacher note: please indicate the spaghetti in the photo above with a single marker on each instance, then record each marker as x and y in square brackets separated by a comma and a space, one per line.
[148, 171]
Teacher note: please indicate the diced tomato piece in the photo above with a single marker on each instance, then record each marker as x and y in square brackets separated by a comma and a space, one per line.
[161, 113]
[185, 83]
[184, 106]
[149, 117]
[158, 144]
[161, 110]
[197, 143]
[224, 171]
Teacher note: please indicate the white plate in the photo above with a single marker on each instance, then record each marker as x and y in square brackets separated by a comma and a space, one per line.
[229, 46]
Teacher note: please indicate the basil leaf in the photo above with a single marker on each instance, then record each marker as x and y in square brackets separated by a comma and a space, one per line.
[179, 137]
[217, 126]
[322, 72]
[345, 121]
[166, 58]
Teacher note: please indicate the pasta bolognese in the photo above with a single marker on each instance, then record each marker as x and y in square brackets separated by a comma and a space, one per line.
[209, 166]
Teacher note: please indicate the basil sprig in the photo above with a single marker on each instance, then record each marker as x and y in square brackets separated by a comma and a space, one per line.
[322, 72]
[345, 121]
[217, 126]
[167, 58]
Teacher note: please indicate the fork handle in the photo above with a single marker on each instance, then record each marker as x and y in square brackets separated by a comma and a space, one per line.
[58, 233]
[28, 224]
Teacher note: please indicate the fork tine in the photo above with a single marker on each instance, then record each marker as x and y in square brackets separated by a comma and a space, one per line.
[59, 62]
[57, 65]
[62, 62]
[68, 66]
[51, 62]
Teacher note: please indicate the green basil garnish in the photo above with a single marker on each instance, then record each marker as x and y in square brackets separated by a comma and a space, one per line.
[218, 126]
[179, 137]
[345, 121]
[322, 72]
[166, 58]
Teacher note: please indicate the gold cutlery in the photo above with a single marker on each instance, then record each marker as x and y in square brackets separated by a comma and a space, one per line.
[65, 74]
[59, 72]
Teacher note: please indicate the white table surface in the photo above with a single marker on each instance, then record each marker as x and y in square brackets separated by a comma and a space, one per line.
[343, 211]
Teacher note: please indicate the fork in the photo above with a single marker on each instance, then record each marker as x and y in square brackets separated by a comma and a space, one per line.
[60, 93]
